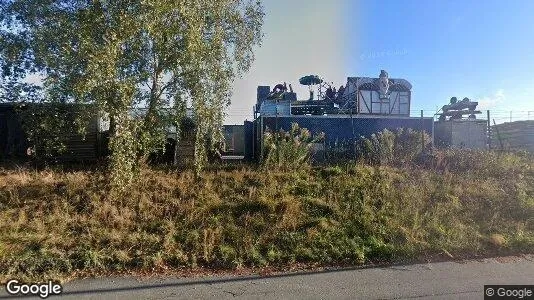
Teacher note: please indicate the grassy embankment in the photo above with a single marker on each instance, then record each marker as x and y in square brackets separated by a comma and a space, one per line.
[55, 223]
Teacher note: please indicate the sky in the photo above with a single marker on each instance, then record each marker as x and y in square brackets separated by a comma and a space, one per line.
[483, 50]
[301, 37]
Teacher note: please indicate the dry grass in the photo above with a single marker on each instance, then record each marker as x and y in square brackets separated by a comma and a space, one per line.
[54, 223]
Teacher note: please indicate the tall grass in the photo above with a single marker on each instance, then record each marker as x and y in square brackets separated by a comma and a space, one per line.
[288, 150]
[54, 223]
[392, 147]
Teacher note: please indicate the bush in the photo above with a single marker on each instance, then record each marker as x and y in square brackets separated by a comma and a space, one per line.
[386, 147]
[339, 151]
[288, 150]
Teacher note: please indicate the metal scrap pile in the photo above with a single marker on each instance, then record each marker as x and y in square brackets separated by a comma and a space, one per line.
[457, 109]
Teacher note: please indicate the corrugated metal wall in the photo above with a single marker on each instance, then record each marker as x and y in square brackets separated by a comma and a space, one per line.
[81, 147]
[13, 142]
[234, 139]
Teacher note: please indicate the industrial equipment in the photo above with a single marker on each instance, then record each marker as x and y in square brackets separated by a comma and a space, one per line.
[360, 95]
[455, 130]
[457, 110]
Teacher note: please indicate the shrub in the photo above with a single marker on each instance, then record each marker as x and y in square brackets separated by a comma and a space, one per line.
[288, 150]
[389, 147]
[339, 151]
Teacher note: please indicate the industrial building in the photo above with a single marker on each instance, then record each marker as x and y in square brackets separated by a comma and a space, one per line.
[361, 107]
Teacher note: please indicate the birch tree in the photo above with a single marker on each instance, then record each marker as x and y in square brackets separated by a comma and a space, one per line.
[164, 55]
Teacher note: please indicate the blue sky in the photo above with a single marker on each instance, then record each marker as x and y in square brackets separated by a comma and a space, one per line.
[483, 50]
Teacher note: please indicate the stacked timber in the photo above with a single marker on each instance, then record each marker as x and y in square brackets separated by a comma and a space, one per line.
[517, 135]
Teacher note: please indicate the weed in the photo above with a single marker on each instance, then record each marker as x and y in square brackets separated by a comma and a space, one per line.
[55, 222]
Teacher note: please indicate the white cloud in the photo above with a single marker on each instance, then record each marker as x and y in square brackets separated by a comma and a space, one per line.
[493, 101]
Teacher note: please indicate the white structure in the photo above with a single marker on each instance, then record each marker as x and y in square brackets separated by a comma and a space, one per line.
[361, 95]
[383, 96]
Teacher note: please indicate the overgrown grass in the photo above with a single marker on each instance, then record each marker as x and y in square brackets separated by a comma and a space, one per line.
[392, 147]
[53, 223]
[286, 151]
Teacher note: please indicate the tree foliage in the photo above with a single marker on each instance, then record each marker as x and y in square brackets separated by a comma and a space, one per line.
[163, 55]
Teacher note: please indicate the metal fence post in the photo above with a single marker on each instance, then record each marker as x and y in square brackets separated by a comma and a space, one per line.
[261, 139]
[253, 140]
[276, 118]
[422, 133]
[488, 130]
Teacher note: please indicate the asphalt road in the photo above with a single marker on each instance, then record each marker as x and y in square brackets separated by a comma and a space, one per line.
[443, 280]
